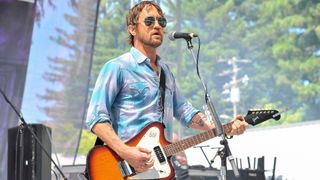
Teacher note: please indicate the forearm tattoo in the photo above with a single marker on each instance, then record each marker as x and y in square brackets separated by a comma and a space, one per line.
[199, 119]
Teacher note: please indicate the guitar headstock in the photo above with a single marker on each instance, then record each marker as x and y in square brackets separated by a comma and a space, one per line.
[255, 117]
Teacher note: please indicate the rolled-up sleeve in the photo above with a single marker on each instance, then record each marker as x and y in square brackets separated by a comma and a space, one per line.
[182, 109]
[105, 91]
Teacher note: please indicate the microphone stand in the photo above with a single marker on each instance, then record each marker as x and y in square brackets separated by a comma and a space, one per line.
[23, 126]
[219, 131]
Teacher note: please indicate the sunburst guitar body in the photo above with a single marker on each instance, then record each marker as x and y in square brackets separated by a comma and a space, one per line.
[104, 164]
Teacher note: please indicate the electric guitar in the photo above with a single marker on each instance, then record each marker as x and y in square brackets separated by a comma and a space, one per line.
[104, 164]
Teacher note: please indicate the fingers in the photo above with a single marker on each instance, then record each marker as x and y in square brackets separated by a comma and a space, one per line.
[145, 150]
[145, 165]
[239, 125]
[146, 154]
[144, 161]
[149, 163]
[239, 117]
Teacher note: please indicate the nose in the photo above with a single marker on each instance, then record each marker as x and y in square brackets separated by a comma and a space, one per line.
[156, 24]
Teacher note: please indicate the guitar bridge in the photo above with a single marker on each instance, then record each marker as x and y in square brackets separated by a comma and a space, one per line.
[125, 169]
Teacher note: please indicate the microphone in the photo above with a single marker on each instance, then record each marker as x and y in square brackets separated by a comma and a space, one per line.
[178, 35]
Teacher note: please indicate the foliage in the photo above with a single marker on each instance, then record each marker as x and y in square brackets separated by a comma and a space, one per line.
[69, 73]
[110, 41]
[280, 38]
[111, 34]
[87, 142]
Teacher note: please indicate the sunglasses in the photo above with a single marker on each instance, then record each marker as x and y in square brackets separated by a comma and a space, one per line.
[150, 20]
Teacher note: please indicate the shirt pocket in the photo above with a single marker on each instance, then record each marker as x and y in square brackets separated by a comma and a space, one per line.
[138, 90]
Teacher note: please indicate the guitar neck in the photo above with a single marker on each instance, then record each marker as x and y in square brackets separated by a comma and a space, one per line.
[184, 144]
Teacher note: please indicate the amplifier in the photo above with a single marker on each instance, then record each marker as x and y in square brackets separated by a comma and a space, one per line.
[33, 164]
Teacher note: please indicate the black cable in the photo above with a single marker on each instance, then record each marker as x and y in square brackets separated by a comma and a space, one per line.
[55, 174]
[198, 54]
[53, 146]
[198, 69]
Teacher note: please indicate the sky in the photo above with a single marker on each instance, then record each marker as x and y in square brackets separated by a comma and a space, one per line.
[42, 48]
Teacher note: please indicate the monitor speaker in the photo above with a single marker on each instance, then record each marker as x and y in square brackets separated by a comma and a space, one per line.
[26, 159]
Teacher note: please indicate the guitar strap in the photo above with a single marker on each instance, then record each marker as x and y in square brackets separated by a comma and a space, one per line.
[162, 90]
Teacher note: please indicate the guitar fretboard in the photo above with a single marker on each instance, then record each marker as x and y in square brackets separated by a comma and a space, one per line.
[184, 144]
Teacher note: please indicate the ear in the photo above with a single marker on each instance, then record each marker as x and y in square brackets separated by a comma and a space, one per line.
[132, 30]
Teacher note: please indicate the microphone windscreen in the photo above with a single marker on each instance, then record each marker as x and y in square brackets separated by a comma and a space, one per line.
[171, 36]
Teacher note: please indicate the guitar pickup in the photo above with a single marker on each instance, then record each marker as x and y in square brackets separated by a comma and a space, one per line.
[159, 154]
[125, 168]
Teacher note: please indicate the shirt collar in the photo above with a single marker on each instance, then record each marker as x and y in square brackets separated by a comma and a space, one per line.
[139, 57]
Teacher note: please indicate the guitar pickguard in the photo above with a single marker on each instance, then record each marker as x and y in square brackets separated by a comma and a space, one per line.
[161, 167]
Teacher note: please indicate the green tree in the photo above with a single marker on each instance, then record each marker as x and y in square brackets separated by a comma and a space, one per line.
[111, 36]
[111, 33]
[281, 38]
[69, 74]
[87, 142]
[283, 42]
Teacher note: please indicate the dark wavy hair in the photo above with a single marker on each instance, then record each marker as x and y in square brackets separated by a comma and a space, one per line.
[134, 13]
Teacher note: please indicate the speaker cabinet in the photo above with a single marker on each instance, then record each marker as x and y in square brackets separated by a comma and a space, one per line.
[26, 159]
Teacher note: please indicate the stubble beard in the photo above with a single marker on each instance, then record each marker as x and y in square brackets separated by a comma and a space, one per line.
[150, 42]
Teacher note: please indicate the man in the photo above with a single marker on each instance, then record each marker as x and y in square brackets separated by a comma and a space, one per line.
[127, 98]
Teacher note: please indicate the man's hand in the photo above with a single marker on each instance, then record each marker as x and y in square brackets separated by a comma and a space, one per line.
[238, 126]
[139, 158]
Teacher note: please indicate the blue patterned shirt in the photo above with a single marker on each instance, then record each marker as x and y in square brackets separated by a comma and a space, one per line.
[127, 96]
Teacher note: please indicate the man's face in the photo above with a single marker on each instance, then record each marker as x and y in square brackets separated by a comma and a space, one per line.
[149, 34]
